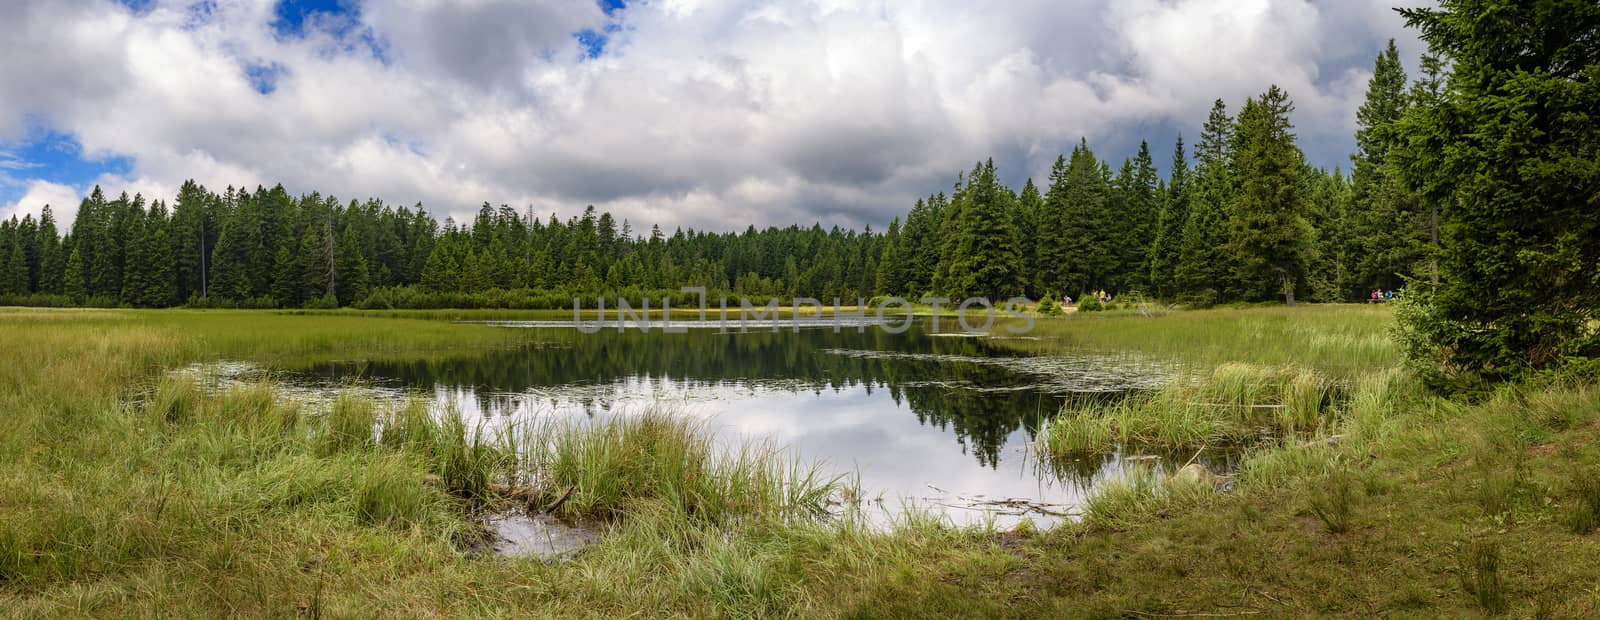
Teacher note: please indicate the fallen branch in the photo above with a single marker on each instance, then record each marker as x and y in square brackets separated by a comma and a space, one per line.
[563, 500]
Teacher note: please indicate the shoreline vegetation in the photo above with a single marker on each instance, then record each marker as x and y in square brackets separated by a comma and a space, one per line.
[130, 492]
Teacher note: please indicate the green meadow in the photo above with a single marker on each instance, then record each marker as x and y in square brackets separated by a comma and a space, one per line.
[127, 491]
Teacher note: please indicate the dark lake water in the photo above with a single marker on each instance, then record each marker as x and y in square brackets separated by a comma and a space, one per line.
[927, 421]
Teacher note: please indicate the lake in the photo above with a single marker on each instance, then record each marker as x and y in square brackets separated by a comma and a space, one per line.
[924, 420]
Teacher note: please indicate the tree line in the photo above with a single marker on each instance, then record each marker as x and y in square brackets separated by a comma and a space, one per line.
[1242, 218]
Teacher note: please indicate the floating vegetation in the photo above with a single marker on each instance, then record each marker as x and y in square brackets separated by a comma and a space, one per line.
[1050, 373]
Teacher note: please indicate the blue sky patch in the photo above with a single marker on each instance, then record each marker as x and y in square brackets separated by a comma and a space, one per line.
[264, 77]
[594, 41]
[139, 7]
[294, 19]
[49, 155]
[291, 17]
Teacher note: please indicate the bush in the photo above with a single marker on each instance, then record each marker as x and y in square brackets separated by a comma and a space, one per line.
[1050, 305]
[325, 302]
[43, 300]
[1090, 305]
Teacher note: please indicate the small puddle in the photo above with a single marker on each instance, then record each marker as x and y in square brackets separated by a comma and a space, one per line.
[538, 536]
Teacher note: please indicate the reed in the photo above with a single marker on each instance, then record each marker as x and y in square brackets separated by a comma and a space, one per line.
[1233, 404]
[604, 468]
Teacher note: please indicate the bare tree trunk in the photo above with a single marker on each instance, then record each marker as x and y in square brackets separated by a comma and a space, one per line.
[328, 248]
[1288, 290]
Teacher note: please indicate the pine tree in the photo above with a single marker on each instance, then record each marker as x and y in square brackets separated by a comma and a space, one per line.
[161, 285]
[1029, 205]
[1164, 251]
[1083, 236]
[1384, 230]
[73, 283]
[8, 237]
[889, 264]
[984, 261]
[52, 264]
[440, 274]
[14, 269]
[1269, 236]
[229, 280]
[137, 256]
[354, 278]
[1509, 154]
[1204, 263]
[287, 286]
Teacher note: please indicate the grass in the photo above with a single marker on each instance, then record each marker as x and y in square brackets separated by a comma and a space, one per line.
[660, 457]
[1233, 404]
[1480, 575]
[1333, 501]
[1337, 341]
[124, 493]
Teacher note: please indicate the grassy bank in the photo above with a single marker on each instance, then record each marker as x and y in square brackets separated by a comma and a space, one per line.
[127, 495]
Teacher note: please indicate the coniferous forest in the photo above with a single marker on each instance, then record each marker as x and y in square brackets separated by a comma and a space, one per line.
[1240, 217]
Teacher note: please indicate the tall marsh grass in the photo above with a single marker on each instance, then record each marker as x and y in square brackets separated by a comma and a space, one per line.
[1232, 404]
[604, 469]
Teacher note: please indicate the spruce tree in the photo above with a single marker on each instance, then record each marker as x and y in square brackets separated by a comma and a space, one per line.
[14, 267]
[1384, 230]
[230, 279]
[1510, 152]
[161, 285]
[1029, 206]
[1164, 250]
[1050, 246]
[354, 278]
[984, 261]
[1133, 220]
[52, 264]
[889, 280]
[1085, 245]
[1204, 263]
[287, 285]
[1269, 236]
[73, 283]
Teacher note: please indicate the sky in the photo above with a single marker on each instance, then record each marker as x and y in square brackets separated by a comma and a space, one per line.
[710, 114]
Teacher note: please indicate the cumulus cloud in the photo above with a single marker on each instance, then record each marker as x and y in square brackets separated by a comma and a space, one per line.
[704, 113]
[62, 200]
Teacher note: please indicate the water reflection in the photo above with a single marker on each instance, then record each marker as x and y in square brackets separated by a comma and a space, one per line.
[924, 420]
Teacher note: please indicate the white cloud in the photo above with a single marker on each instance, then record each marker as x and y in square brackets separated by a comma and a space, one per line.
[62, 200]
[706, 113]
